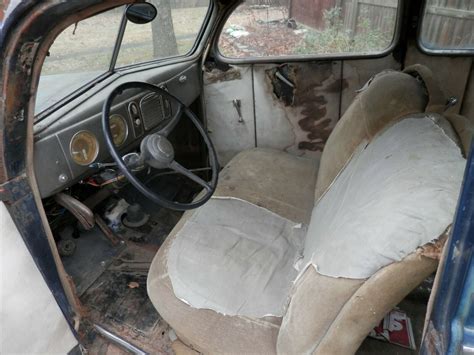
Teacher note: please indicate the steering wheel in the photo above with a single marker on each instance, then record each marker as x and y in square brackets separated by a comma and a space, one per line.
[158, 152]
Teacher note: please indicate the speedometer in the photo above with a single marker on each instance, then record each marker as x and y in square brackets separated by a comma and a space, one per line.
[84, 148]
[119, 129]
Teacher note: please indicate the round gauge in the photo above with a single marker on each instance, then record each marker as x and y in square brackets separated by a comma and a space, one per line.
[119, 129]
[84, 147]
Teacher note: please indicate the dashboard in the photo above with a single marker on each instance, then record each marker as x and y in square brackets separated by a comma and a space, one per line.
[68, 148]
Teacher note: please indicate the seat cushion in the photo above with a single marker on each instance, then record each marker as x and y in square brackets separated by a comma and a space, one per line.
[245, 255]
[386, 98]
[346, 309]
[274, 180]
[398, 192]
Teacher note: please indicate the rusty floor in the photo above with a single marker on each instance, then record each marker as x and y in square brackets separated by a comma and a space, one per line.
[118, 302]
[111, 279]
[112, 284]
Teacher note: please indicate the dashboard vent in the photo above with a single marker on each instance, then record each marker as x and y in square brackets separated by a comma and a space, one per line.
[153, 113]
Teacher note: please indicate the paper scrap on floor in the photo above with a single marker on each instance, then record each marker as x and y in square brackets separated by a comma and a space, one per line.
[396, 329]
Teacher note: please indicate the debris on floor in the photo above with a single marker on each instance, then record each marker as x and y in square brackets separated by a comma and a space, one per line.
[118, 302]
[395, 328]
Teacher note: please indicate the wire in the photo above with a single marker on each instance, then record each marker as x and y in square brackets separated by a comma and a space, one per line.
[94, 183]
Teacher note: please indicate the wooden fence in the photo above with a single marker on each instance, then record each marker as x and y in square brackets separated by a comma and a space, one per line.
[381, 14]
[447, 22]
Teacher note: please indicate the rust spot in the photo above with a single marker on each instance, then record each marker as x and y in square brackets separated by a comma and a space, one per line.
[281, 79]
[27, 55]
[319, 132]
[337, 86]
[433, 250]
[315, 109]
[216, 75]
[310, 95]
[307, 87]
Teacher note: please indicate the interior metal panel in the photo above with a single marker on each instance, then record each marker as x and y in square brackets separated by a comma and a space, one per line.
[451, 73]
[55, 170]
[355, 73]
[230, 133]
[301, 124]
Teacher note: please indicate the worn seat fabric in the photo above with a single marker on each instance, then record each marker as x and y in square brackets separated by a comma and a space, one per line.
[289, 195]
[330, 307]
[245, 255]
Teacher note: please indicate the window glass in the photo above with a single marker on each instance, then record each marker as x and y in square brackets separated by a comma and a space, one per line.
[448, 25]
[260, 28]
[79, 54]
[173, 32]
[84, 51]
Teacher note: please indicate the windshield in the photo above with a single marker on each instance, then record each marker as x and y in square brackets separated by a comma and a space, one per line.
[79, 54]
[84, 51]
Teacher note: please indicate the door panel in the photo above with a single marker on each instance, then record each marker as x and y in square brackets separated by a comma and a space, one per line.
[291, 107]
[357, 72]
[31, 321]
[229, 132]
[451, 73]
[297, 106]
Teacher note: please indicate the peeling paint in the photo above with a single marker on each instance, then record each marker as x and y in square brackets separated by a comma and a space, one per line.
[217, 75]
[313, 110]
[27, 56]
[435, 249]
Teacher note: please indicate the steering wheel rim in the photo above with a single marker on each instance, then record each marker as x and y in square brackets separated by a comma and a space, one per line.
[153, 148]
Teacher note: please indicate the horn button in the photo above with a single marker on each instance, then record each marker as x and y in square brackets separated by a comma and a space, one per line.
[157, 151]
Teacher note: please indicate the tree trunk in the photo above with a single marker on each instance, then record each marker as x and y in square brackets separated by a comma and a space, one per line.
[164, 39]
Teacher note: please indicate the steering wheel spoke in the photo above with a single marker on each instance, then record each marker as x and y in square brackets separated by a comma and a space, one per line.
[158, 152]
[183, 171]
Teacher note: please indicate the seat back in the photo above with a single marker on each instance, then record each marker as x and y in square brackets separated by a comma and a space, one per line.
[388, 183]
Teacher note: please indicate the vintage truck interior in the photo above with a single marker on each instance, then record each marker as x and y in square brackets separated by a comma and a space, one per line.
[254, 177]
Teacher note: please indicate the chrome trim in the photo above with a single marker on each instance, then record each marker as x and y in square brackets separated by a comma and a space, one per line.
[119, 39]
[151, 123]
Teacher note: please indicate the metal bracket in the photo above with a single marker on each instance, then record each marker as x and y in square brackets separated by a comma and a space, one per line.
[14, 189]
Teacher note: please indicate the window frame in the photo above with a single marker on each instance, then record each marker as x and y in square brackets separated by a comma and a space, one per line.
[112, 70]
[306, 57]
[433, 51]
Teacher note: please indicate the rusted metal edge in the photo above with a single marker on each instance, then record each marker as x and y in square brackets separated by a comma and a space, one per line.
[24, 45]
[14, 189]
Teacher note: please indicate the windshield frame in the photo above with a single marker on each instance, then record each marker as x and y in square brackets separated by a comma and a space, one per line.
[112, 69]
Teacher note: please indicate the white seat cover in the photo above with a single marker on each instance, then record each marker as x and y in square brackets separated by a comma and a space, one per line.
[235, 258]
[395, 194]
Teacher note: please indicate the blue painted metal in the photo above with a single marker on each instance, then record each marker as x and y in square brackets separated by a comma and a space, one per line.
[451, 324]
[18, 45]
